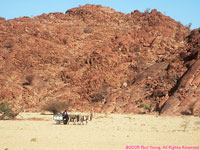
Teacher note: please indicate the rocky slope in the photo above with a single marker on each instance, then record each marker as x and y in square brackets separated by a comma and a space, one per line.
[95, 58]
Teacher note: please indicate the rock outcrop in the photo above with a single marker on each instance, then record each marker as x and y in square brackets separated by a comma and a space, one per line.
[95, 58]
[186, 96]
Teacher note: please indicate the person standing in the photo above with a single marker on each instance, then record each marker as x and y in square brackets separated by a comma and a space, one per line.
[65, 117]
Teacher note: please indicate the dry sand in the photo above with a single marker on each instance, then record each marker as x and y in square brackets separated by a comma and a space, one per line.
[33, 131]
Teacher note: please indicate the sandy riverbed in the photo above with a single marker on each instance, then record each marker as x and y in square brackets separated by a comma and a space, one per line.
[33, 131]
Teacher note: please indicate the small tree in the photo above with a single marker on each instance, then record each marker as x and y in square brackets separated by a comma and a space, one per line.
[6, 112]
[4, 108]
[55, 106]
[30, 78]
[189, 25]
[147, 10]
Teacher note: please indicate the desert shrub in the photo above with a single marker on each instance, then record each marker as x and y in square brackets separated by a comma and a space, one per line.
[6, 112]
[179, 24]
[87, 30]
[147, 10]
[146, 106]
[64, 41]
[141, 104]
[33, 140]
[102, 93]
[10, 45]
[55, 106]
[30, 79]
[96, 97]
[189, 25]
[4, 108]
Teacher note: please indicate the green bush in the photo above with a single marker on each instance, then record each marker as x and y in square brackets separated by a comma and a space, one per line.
[4, 108]
[141, 104]
[146, 106]
[6, 112]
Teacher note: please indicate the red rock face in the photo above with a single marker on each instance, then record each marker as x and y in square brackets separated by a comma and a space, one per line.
[98, 59]
[185, 98]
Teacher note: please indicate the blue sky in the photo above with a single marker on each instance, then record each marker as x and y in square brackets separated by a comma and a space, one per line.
[185, 11]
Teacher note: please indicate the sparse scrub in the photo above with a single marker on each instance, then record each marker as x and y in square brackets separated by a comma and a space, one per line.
[6, 112]
[64, 41]
[185, 125]
[10, 45]
[4, 108]
[146, 106]
[33, 140]
[189, 25]
[147, 10]
[102, 93]
[87, 30]
[179, 25]
[30, 79]
[96, 97]
[55, 107]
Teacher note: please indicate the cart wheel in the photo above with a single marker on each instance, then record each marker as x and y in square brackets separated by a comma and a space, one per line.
[64, 121]
[57, 122]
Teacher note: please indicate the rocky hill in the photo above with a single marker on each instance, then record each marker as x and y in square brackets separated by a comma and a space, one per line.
[95, 58]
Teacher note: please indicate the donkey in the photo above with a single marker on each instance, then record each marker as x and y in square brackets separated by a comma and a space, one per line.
[86, 118]
[72, 118]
